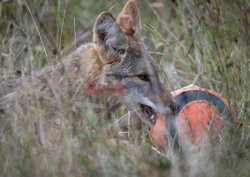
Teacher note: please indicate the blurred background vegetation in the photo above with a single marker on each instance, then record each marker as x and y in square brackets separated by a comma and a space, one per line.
[204, 42]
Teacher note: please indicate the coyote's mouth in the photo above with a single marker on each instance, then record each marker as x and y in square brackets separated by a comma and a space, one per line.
[149, 113]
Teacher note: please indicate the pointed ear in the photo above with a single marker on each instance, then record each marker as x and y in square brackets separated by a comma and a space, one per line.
[129, 19]
[106, 31]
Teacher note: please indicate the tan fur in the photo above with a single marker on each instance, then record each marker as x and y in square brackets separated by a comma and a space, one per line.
[129, 19]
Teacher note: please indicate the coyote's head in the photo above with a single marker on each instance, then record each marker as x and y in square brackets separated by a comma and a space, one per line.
[127, 61]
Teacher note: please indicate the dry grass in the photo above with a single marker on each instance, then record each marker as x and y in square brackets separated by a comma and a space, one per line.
[204, 42]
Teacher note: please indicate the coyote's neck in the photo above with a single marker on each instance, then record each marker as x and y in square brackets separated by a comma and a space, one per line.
[84, 64]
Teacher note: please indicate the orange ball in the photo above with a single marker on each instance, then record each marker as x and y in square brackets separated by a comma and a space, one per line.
[200, 112]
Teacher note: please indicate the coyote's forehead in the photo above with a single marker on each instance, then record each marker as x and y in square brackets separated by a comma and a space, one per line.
[138, 58]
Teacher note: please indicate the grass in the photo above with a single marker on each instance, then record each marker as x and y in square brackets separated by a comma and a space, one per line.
[203, 42]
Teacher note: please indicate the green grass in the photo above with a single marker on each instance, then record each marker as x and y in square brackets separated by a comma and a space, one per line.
[205, 42]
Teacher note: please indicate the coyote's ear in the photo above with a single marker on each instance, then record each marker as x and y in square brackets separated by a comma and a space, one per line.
[106, 31]
[129, 19]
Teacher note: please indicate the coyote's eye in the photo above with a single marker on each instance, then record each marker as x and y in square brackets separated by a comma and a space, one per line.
[119, 51]
[143, 77]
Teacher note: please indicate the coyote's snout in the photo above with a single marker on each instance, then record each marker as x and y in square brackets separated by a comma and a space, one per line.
[117, 55]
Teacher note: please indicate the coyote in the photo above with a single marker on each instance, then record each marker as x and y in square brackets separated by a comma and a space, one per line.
[117, 55]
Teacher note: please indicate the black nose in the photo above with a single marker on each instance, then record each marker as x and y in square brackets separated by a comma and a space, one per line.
[175, 106]
[171, 131]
